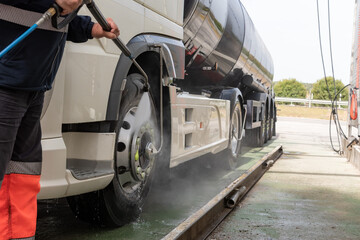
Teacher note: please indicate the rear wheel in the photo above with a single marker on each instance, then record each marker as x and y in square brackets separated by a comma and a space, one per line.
[233, 151]
[268, 125]
[270, 129]
[121, 202]
[272, 123]
[229, 158]
[262, 132]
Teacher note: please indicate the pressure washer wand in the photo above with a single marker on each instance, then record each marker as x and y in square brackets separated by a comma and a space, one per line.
[90, 4]
[47, 15]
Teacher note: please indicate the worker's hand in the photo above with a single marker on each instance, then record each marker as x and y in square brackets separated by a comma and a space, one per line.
[68, 6]
[98, 32]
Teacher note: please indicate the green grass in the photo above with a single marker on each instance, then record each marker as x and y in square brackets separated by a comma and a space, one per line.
[306, 112]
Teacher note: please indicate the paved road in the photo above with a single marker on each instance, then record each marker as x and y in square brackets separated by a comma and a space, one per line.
[310, 193]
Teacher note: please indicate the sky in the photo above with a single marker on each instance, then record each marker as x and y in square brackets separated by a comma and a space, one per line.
[289, 29]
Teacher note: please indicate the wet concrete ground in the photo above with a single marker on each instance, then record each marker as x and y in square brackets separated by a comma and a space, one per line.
[192, 186]
[310, 193]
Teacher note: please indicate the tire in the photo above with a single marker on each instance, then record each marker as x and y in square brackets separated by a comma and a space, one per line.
[267, 125]
[270, 129]
[121, 201]
[231, 154]
[262, 133]
[274, 126]
[228, 159]
[272, 123]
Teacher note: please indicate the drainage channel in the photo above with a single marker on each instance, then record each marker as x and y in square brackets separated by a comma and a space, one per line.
[204, 221]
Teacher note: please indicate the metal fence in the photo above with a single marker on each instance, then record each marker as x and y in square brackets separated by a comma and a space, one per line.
[309, 102]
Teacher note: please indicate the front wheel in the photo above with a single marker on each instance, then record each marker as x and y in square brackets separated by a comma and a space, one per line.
[121, 201]
[134, 158]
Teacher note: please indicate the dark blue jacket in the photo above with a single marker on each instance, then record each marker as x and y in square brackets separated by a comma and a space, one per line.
[33, 63]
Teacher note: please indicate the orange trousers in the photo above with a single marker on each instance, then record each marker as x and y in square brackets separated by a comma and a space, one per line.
[18, 206]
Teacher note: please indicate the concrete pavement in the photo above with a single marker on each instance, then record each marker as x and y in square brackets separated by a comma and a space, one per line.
[310, 193]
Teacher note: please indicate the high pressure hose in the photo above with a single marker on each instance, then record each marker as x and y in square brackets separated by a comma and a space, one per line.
[52, 13]
[46, 16]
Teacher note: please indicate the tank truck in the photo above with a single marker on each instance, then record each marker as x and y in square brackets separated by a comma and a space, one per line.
[109, 131]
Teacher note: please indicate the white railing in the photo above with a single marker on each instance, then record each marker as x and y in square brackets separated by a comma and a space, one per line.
[308, 102]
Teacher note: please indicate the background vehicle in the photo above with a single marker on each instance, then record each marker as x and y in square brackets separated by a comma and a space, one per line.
[105, 139]
[351, 144]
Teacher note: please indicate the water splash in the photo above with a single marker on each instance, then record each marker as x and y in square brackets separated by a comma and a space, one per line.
[143, 112]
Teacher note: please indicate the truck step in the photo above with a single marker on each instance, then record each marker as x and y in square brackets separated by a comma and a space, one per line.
[87, 169]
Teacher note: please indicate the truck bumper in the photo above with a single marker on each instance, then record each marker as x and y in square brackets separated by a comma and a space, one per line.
[57, 181]
[53, 182]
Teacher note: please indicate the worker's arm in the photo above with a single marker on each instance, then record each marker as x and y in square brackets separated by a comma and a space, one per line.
[98, 32]
[81, 29]
[41, 6]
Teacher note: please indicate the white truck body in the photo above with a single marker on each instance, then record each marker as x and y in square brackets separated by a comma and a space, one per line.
[81, 91]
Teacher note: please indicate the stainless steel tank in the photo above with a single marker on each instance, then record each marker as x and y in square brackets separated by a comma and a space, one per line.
[223, 46]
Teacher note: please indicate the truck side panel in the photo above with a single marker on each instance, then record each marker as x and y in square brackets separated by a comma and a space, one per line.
[199, 125]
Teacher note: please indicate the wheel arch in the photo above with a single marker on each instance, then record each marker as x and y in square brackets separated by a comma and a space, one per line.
[231, 94]
[142, 47]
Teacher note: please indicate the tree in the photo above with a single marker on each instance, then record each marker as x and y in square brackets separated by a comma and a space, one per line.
[320, 89]
[290, 88]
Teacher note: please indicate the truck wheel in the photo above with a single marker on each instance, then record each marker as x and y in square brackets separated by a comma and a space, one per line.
[121, 201]
[269, 130]
[266, 131]
[134, 162]
[267, 125]
[270, 126]
[262, 133]
[273, 133]
[233, 151]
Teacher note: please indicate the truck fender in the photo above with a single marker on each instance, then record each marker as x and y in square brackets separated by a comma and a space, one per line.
[168, 60]
[231, 95]
[173, 55]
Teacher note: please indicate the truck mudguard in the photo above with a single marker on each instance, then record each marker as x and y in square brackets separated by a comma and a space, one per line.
[173, 53]
[231, 95]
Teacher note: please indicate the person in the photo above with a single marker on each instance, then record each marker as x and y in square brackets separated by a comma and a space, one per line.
[26, 72]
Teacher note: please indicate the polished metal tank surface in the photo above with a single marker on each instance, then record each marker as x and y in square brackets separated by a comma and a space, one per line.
[222, 46]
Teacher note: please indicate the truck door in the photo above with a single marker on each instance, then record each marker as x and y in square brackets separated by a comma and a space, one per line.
[171, 9]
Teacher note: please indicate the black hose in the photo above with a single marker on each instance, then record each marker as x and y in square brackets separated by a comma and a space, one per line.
[333, 113]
